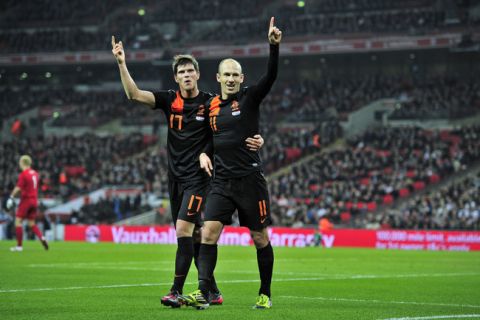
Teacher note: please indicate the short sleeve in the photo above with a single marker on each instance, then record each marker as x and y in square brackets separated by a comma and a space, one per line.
[163, 99]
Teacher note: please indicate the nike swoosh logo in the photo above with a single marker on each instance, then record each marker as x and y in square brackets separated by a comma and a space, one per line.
[179, 275]
[262, 220]
[191, 213]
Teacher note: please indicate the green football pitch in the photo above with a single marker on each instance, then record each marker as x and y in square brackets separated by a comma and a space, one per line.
[108, 281]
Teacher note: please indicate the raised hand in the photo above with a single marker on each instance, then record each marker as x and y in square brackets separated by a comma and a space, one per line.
[274, 34]
[117, 50]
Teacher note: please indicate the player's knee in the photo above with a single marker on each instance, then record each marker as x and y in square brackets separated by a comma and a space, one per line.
[183, 232]
[260, 238]
[210, 233]
[209, 237]
[184, 228]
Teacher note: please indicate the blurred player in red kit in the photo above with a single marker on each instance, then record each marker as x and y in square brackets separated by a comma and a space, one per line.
[27, 186]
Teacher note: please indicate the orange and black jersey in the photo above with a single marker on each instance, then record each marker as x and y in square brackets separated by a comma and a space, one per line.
[234, 120]
[188, 133]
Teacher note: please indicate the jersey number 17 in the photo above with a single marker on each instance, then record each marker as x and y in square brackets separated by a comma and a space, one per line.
[176, 118]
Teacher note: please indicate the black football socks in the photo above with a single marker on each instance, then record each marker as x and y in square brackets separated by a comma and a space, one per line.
[183, 261]
[213, 283]
[265, 266]
[206, 264]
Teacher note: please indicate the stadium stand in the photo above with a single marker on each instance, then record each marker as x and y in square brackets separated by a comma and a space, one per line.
[75, 165]
[376, 169]
[454, 207]
[74, 27]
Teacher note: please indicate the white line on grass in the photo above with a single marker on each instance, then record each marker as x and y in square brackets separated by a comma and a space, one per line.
[236, 281]
[119, 266]
[386, 302]
[253, 260]
[91, 287]
[453, 316]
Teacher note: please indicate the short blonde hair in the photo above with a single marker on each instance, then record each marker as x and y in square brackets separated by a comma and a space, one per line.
[26, 160]
[182, 59]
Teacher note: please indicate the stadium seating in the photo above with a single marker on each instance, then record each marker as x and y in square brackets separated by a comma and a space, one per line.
[357, 178]
[75, 165]
[71, 26]
[434, 98]
[455, 207]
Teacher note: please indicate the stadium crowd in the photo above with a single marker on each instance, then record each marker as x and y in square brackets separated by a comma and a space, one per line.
[74, 165]
[375, 169]
[439, 97]
[109, 210]
[225, 22]
[411, 21]
[242, 30]
[306, 101]
[447, 97]
[455, 207]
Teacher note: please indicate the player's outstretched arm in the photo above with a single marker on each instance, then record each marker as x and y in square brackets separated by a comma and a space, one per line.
[131, 89]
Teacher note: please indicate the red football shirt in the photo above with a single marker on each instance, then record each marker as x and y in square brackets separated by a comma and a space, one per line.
[28, 183]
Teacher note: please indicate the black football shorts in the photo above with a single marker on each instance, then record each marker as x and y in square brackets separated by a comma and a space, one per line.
[187, 200]
[248, 194]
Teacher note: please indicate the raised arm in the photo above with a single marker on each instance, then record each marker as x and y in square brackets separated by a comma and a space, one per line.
[131, 89]
[266, 82]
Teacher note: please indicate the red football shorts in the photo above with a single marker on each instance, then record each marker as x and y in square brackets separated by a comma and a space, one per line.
[27, 209]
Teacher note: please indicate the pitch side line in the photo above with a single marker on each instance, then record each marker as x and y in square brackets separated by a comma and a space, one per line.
[387, 302]
[111, 266]
[453, 316]
[235, 281]
[171, 262]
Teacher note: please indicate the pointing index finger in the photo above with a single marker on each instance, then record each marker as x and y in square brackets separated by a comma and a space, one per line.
[272, 21]
[113, 41]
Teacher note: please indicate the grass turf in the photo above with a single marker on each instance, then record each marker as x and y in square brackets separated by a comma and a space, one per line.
[108, 281]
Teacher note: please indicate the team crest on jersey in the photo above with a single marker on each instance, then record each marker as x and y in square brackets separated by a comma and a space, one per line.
[235, 108]
[200, 113]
